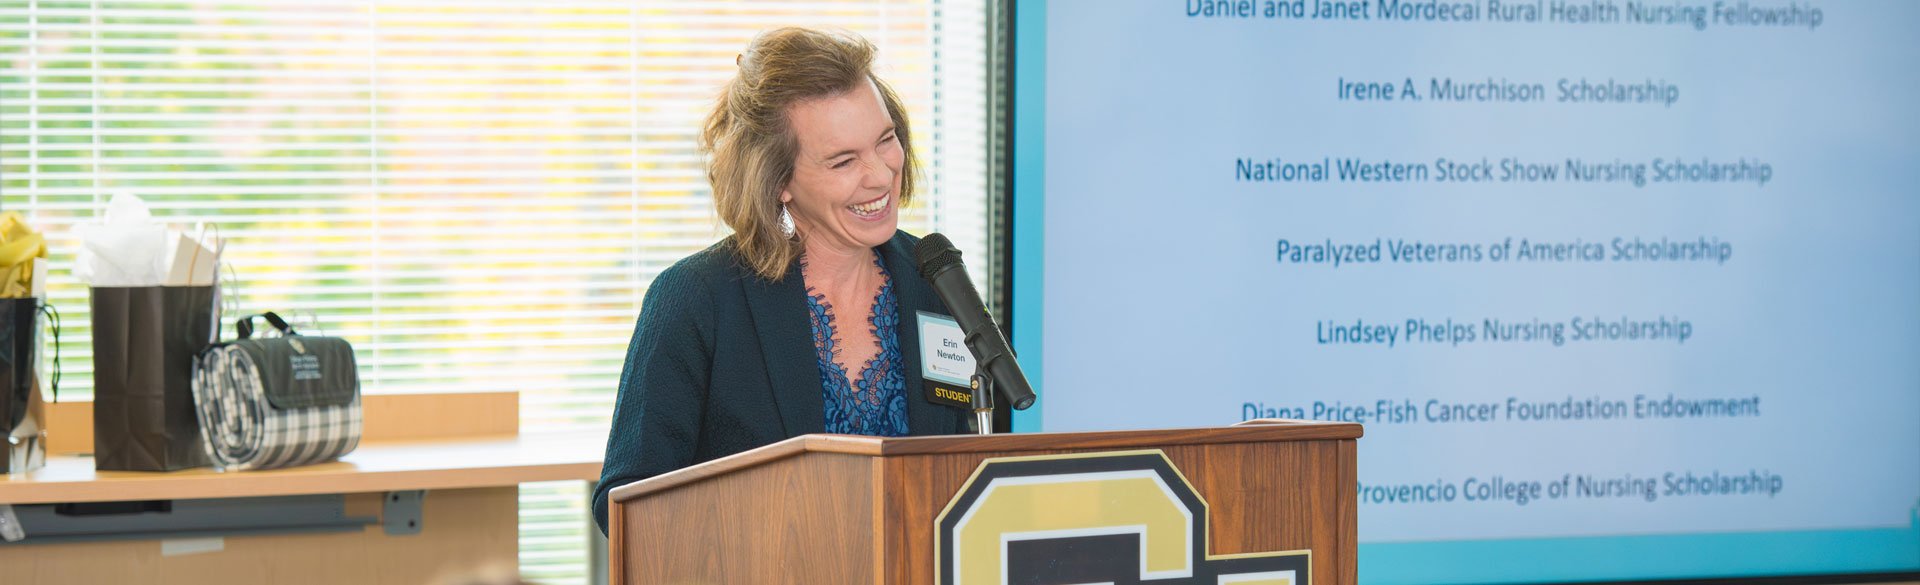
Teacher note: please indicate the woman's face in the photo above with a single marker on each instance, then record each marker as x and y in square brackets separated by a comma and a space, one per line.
[845, 190]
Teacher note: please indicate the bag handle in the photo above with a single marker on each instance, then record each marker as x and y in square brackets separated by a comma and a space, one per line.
[53, 321]
[244, 326]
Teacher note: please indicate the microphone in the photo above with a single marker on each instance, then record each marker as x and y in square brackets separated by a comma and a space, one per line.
[940, 265]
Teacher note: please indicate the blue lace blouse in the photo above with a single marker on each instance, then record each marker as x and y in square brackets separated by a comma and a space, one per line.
[877, 404]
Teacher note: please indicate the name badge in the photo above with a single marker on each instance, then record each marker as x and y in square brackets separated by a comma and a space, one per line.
[945, 362]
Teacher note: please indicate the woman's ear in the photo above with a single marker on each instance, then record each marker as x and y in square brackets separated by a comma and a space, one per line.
[786, 197]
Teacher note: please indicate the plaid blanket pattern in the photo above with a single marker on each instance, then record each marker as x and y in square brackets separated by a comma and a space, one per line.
[245, 432]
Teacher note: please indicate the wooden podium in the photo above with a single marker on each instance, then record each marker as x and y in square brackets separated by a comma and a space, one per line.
[1266, 502]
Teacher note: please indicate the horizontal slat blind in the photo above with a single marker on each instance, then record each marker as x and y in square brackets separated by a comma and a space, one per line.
[474, 193]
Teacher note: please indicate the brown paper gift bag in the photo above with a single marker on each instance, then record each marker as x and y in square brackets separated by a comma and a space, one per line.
[144, 342]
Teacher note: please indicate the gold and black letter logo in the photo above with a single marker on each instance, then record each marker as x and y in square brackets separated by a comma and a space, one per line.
[1124, 518]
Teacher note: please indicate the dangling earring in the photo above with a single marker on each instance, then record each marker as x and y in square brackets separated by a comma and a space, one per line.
[786, 221]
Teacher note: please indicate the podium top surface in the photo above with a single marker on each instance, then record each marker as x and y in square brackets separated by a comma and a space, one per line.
[1254, 431]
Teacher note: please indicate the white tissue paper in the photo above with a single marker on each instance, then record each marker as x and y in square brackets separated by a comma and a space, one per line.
[125, 248]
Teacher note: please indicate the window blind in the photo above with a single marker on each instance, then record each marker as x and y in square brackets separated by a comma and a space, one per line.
[475, 193]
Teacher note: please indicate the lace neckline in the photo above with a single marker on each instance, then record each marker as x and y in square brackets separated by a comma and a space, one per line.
[876, 403]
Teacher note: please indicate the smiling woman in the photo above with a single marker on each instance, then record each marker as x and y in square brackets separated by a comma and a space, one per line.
[806, 109]
[748, 342]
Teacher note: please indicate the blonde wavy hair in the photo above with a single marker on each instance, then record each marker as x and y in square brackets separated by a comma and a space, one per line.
[751, 147]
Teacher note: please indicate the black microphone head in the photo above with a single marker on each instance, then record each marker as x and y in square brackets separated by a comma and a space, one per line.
[935, 253]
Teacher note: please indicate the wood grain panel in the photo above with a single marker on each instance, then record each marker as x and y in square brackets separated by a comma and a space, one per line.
[387, 417]
[1346, 488]
[797, 520]
[888, 515]
[375, 466]
[69, 428]
[402, 417]
[462, 530]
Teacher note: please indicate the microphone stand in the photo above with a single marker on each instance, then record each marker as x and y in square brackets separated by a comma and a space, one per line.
[982, 386]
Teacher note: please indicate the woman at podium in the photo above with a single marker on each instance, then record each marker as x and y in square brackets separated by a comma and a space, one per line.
[802, 321]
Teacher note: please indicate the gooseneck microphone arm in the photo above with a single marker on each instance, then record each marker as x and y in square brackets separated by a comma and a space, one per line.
[940, 265]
